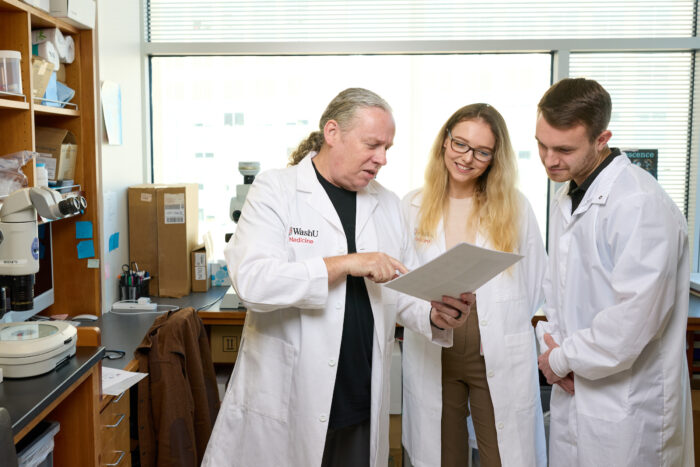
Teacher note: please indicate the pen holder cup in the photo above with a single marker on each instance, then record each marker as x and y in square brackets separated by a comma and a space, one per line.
[129, 292]
[144, 289]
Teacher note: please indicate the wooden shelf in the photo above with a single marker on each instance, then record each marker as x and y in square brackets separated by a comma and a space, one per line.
[10, 104]
[48, 110]
[39, 18]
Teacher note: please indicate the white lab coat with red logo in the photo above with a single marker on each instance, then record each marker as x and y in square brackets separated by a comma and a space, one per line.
[505, 306]
[277, 405]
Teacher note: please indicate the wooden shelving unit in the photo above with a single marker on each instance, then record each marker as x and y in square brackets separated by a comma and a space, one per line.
[76, 287]
[46, 110]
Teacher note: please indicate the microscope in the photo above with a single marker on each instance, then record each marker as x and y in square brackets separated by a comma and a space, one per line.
[19, 239]
[249, 170]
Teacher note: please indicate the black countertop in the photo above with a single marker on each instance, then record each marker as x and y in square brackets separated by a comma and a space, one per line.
[124, 330]
[25, 398]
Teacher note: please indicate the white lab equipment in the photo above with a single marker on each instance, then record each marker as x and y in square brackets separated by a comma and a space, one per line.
[249, 170]
[19, 240]
[32, 348]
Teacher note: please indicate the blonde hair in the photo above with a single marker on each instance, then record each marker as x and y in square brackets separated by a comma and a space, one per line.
[496, 205]
[342, 109]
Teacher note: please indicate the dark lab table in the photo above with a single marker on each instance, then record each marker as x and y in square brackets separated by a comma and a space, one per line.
[26, 398]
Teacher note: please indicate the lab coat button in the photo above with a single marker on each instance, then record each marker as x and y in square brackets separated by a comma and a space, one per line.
[338, 305]
[331, 362]
[500, 426]
[323, 418]
[490, 373]
[483, 322]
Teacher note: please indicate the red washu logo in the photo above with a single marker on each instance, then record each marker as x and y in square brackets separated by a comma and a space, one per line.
[418, 239]
[300, 235]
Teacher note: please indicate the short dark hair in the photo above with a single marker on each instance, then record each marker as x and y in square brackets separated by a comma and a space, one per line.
[577, 101]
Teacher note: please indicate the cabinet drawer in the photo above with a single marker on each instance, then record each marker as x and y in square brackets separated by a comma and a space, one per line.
[114, 432]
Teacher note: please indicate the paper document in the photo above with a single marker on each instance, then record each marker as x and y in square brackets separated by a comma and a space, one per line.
[462, 268]
[115, 382]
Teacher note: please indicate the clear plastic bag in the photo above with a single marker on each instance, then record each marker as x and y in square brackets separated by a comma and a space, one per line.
[11, 176]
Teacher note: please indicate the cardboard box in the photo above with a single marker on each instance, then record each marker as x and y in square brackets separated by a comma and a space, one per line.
[225, 342]
[163, 221]
[40, 4]
[178, 218]
[41, 74]
[79, 13]
[201, 279]
[61, 144]
[143, 231]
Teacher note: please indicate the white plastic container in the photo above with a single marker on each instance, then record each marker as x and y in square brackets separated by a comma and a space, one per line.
[10, 73]
[42, 175]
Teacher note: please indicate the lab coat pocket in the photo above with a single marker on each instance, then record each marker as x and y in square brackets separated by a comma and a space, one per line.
[522, 361]
[266, 375]
[605, 399]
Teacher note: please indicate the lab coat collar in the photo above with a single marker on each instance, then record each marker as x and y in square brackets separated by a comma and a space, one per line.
[307, 182]
[599, 191]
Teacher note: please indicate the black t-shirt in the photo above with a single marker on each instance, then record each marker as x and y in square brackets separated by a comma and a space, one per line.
[352, 394]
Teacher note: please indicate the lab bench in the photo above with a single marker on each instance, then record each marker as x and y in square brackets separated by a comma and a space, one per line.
[69, 395]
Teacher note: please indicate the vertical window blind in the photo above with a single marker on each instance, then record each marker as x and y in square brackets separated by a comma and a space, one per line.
[651, 107]
[377, 20]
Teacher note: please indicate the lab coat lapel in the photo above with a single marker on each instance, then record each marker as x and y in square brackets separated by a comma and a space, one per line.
[599, 190]
[366, 204]
[314, 194]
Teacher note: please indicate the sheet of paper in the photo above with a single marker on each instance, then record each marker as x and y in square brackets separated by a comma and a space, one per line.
[462, 268]
[114, 381]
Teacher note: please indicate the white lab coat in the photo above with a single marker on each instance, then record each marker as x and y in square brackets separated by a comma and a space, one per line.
[505, 306]
[617, 303]
[277, 405]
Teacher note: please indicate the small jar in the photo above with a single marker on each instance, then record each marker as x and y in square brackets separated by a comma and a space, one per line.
[42, 175]
[10, 73]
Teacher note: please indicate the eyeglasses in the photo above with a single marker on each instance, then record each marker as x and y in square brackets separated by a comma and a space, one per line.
[463, 148]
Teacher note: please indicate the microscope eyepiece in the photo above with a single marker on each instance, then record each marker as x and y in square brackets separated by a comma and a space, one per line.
[69, 206]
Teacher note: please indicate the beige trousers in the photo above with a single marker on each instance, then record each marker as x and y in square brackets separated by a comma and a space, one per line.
[464, 380]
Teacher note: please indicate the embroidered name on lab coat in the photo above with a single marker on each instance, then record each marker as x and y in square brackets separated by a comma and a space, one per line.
[421, 238]
[299, 235]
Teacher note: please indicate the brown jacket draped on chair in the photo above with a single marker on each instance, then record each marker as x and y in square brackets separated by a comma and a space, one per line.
[178, 401]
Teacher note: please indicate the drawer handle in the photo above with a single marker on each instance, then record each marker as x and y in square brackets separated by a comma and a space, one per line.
[116, 424]
[121, 456]
[119, 398]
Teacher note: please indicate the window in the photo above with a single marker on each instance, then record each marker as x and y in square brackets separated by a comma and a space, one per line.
[643, 51]
[272, 115]
[651, 107]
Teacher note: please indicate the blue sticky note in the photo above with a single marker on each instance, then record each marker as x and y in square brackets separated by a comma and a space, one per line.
[114, 241]
[86, 249]
[83, 229]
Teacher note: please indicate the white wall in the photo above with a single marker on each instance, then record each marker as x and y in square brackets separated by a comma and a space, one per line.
[118, 32]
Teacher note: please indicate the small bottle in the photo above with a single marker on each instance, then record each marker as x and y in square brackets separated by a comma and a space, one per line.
[42, 175]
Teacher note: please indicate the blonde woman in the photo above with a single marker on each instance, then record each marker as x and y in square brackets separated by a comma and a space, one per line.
[491, 370]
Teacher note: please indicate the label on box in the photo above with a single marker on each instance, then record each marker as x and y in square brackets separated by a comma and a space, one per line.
[174, 208]
[229, 343]
[146, 197]
[200, 273]
[200, 259]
